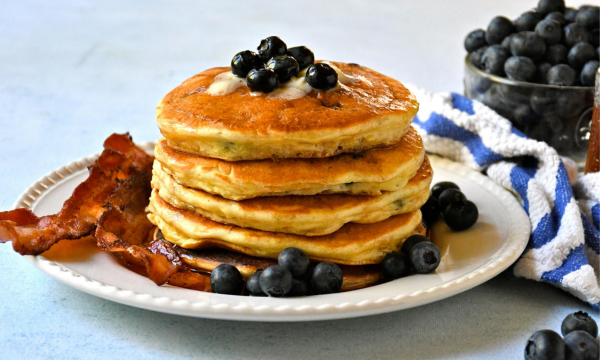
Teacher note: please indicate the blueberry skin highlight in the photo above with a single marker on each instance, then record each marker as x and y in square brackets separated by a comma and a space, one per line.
[295, 260]
[226, 279]
[499, 28]
[545, 345]
[321, 76]
[275, 281]
[580, 345]
[244, 61]
[579, 321]
[263, 80]
[271, 47]
[284, 66]
[326, 278]
[520, 68]
[475, 40]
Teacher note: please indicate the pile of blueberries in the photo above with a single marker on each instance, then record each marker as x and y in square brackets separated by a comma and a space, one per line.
[289, 278]
[275, 64]
[579, 342]
[551, 44]
[447, 201]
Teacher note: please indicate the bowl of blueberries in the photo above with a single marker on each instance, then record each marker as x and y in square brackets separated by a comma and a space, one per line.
[539, 72]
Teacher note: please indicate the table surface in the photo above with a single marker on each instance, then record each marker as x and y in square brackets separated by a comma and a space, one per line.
[73, 72]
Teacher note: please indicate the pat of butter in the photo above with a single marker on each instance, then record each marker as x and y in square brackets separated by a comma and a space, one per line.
[225, 83]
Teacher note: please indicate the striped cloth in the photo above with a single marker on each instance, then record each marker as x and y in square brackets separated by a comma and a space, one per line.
[564, 248]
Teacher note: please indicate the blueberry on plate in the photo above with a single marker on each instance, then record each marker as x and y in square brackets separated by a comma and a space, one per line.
[588, 16]
[226, 279]
[475, 40]
[253, 285]
[424, 257]
[284, 66]
[520, 68]
[588, 73]
[570, 15]
[545, 345]
[430, 211]
[580, 54]
[561, 75]
[579, 320]
[541, 73]
[549, 30]
[580, 345]
[575, 33]
[244, 61]
[264, 80]
[295, 260]
[461, 215]
[326, 278]
[475, 57]
[499, 28]
[439, 188]
[321, 76]
[299, 288]
[395, 265]
[271, 47]
[527, 21]
[448, 196]
[303, 55]
[556, 54]
[547, 6]
[528, 43]
[557, 16]
[275, 281]
[412, 241]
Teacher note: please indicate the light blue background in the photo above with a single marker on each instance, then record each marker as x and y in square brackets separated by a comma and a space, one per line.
[73, 72]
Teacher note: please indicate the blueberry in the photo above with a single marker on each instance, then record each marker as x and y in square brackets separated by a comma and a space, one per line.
[395, 265]
[475, 57]
[559, 17]
[326, 278]
[541, 73]
[499, 28]
[412, 240]
[321, 76]
[556, 54]
[475, 40]
[579, 321]
[271, 47]
[575, 33]
[506, 42]
[527, 21]
[523, 115]
[570, 15]
[275, 281]
[431, 211]
[547, 6]
[424, 257]
[520, 68]
[545, 345]
[580, 345]
[264, 80]
[493, 60]
[588, 16]
[549, 30]
[528, 43]
[226, 279]
[439, 188]
[561, 75]
[461, 215]
[580, 54]
[594, 39]
[295, 260]
[449, 196]
[588, 73]
[303, 55]
[284, 66]
[245, 61]
[299, 288]
[253, 285]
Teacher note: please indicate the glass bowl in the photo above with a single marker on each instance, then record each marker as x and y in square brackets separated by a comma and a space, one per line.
[558, 115]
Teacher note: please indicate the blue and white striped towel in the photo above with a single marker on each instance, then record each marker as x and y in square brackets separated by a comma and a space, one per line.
[564, 248]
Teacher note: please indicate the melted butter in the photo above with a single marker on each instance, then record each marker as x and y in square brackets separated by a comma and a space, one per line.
[294, 88]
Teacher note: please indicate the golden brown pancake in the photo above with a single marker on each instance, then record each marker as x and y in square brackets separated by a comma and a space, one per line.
[352, 244]
[303, 215]
[366, 173]
[370, 112]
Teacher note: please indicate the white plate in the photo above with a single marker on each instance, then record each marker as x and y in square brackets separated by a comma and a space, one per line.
[469, 258]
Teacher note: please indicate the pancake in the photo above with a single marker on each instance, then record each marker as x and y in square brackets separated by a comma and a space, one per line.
[368, 110]
[367, 173]
[303, 215]
[352, 244]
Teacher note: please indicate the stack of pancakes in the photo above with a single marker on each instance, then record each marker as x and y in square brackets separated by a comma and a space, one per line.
[339, 174]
